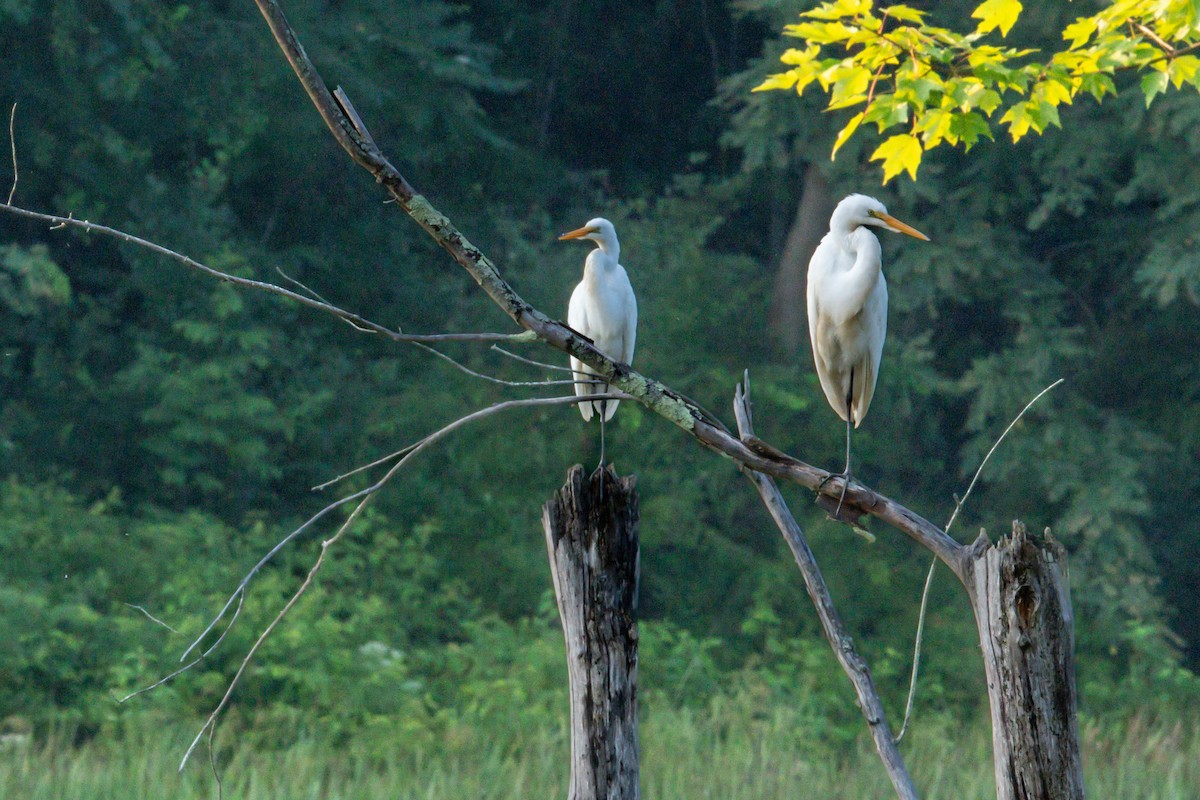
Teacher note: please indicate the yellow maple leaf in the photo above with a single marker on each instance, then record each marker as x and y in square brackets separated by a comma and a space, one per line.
[899, 153]
[783, 80]
[845, 133]
[1000, 14]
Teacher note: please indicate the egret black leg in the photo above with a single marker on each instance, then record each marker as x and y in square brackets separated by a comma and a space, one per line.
[846, 473]
[603, 413]
[845, 476]
[600, 467]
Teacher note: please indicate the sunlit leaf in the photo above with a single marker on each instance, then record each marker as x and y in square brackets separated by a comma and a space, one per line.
[935, 125]
[1000, 14]
[1097, 85]
[1183, 70]
[886, 111]
[821, 32]
[905, 13]
[1080, 31]
[1154, 83]
[1018, 119]
[839, 9]
[969, 128]
[899, 153]
[846, 132]
[784, 80]
[1047, 114]
[1056, 93]
[849, 86]
[794, 57]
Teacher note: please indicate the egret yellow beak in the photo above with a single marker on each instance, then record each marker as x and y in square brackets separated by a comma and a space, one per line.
[898, 226]
[578, 233]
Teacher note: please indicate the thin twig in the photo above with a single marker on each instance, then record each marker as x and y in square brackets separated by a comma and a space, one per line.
[398, 336]
[316, 295]
[365, 467]
[912, 679]
[975, 479]
[501, 381]
[210, 724]
[152, 617]
[1154, 37]
[613, 395]
[364, 497]
[165, 679]
[541, 364]
[912, 683]
[12, 140]
[212, 762]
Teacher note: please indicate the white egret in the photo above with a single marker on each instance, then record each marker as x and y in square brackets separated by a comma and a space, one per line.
[604, 310]
[847, 309]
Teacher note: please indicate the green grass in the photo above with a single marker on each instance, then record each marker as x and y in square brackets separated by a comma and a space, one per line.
[685, 755]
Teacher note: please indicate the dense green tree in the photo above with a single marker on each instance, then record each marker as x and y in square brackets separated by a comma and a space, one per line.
[210, 411]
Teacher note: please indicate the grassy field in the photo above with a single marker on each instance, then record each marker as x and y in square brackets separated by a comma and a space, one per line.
[685, 756]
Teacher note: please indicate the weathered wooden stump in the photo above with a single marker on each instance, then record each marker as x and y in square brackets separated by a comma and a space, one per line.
[591, 538]
[1022, 604]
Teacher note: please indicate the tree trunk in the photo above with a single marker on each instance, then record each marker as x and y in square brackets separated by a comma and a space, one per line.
[591, 538]
[788, 305]
[1022, 604]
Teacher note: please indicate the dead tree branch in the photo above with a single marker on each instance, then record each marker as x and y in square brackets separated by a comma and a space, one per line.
[359, 322]
[363, 497]
[852, 663]
[651, 393]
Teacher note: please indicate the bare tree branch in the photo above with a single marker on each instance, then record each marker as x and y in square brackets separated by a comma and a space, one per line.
[491, 379]
[541, 364]
[363, 497]
[152, 617]
[839, 639]
[651, 393]
[357, 321]
[167, 678]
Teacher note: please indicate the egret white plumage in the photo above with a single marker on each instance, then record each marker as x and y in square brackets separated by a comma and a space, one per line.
[847, 309]
[604, 309]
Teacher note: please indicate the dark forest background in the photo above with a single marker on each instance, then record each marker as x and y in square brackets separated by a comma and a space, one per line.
[159, 430]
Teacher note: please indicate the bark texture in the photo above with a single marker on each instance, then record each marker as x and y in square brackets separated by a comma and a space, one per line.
[591, 538]
[1022, 607]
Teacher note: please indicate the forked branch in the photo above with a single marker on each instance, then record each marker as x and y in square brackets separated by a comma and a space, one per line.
[661, 399]
[854, 664]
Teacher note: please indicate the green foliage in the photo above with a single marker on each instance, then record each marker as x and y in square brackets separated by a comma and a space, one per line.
[30, 280]
[945, 87]
[141, 403]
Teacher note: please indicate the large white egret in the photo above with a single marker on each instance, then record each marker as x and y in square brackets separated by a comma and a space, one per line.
[604, 310]
[847, 309]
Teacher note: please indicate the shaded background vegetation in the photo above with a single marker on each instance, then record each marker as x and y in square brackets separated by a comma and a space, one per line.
[159, 431]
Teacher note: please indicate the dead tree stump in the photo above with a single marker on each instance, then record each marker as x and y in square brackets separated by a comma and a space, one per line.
[591, 538]
[1022, 604]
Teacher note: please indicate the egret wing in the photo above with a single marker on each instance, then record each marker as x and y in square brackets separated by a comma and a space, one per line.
[874, 322]
[834, 381]
[577, 318]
